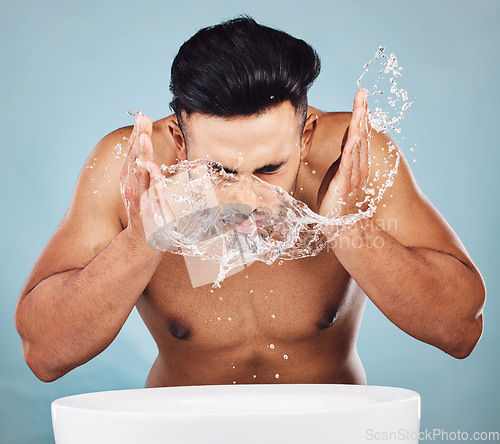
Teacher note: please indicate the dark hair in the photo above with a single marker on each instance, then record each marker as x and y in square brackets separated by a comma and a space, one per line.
[239, 67]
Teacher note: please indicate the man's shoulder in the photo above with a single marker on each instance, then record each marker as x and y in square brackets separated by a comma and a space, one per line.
[116, 142]
[331, 123]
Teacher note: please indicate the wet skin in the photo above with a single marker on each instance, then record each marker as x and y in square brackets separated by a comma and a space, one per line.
[97, 266]
[307, 309]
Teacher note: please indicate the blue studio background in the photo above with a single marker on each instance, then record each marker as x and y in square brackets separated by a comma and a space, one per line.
[70, 70]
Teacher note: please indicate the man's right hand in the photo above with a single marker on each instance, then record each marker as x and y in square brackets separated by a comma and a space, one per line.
[138, 178]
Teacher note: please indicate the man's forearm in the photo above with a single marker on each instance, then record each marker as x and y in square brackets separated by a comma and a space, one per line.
[70, 317]
[430, 295]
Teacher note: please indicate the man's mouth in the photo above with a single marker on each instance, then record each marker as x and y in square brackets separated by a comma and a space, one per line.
[246, 227]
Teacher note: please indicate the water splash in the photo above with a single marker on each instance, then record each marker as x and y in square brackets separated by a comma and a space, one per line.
[197, 210]
[390, 101]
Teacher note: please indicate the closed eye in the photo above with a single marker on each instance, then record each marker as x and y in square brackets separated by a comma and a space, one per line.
[266, 169]
[269, 169]
[228, 171]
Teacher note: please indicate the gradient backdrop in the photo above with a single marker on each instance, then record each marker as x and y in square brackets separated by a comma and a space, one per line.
[70, 70]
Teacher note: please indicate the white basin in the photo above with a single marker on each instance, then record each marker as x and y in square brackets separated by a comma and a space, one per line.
[257, 414]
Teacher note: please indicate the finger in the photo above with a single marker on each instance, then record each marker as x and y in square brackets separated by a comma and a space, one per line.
[355, 172]
[155, 183]
[347, 162]
[146, 145]
[152, 213]
[148, 210]
[364, 159]
[340, 184]
[135, 149]
[358, 110]
[138, 168]
[153, 170]
[360, 99]
[143, 124]
[133, 136]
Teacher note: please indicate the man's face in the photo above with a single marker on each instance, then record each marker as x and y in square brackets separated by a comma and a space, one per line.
[266, 145]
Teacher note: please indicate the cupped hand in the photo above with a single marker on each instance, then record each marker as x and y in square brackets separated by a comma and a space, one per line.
[140, 181]
[345, 192]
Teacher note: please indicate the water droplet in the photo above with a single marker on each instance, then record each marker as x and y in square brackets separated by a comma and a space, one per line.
[273, 316]
[254, 376]
[313, 171]
[229, 319]
[271, 346]
[277, 375]
[285, 356]
[251, 291]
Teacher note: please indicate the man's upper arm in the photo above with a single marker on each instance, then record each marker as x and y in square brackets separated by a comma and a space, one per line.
[93, 218]
[405, 212]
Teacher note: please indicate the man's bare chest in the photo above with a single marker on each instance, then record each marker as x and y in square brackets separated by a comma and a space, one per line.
[289, 302]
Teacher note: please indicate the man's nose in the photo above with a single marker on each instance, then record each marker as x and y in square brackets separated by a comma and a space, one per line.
[246, 192]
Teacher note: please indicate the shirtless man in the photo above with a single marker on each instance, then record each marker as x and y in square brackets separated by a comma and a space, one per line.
[239, 88]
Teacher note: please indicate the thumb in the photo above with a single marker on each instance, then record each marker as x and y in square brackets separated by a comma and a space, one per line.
[153, 170]
[159, 190]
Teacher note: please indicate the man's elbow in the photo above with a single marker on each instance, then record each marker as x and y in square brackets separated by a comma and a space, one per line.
[41, 368]
[469, 331]
[464, 345]
[36, 355]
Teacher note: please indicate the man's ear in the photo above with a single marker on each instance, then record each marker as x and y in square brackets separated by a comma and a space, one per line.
[178, 137]
[307, 135]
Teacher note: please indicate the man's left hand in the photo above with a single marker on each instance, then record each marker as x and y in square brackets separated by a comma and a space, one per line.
[346, 189]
